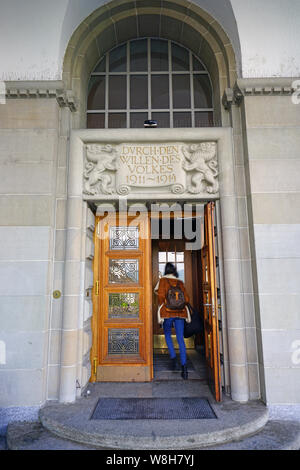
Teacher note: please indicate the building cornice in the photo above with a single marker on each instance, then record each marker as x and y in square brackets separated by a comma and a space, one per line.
[41, 89]
[266, 86]
[258, 87]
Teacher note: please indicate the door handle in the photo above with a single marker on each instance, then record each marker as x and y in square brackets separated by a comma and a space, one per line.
[97, 288]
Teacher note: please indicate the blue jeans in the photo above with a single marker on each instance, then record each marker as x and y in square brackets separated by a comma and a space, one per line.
[179, 328]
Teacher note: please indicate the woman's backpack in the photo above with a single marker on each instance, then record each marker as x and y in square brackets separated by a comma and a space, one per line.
[175, 299]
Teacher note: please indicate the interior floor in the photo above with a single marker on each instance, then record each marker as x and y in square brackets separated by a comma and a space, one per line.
[162, 365]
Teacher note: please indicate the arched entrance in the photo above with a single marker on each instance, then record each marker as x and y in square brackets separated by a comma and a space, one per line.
[199, 32]
[183, 22]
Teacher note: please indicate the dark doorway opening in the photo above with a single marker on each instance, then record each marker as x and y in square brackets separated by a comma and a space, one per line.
[166, 248]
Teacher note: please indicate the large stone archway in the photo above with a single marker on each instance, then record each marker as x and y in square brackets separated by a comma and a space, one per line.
[187, 24]
[180, 21]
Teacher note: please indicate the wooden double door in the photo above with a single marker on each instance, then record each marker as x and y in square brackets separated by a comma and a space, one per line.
[124, 319]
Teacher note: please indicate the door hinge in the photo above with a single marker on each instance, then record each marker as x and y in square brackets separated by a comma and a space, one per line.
[95, 364]
[213, 307]
[209, 341]
[97, 288]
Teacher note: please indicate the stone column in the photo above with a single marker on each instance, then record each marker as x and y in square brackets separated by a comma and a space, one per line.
[232, 272]
[73, 275]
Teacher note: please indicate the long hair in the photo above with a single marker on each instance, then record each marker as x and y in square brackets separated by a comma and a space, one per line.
[170, 268]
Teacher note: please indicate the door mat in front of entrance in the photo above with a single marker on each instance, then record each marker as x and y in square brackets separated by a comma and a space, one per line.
[153, 408]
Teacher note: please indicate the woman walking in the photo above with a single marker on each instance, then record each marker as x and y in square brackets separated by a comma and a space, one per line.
[173, 310]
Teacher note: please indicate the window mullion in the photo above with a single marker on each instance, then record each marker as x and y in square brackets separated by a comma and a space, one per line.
[192, 89]
[128, 86]
[106, 90]
[170, 84]
[149, 79]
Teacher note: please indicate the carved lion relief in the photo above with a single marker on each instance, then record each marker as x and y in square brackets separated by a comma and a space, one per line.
[99, 159]
[202, 160]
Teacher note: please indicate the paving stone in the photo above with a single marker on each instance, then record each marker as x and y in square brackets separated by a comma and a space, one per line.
[276, 435]
[32, 436]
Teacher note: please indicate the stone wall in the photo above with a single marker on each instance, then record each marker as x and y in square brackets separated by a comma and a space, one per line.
[23, 56]
[30, 179]
[273, 194]
[36, 218]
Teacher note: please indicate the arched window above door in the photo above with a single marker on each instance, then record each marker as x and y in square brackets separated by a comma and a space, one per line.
[150, 79]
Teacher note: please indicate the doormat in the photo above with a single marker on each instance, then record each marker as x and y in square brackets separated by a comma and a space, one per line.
[153, 408]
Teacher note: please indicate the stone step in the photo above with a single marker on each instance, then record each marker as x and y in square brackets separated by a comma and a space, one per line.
[73, 422]
[276, 435]
[235, 421]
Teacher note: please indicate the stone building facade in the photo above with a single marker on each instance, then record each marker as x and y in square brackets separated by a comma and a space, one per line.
[47, 217]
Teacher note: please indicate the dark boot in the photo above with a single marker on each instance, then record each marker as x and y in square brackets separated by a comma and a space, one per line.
[174, 364]
[184, 372]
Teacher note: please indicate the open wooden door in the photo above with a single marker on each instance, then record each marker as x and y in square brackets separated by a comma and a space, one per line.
[210, 303]
[122, 324]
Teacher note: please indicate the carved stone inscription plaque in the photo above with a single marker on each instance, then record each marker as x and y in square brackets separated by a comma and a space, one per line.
[174, 168]
[148, 166]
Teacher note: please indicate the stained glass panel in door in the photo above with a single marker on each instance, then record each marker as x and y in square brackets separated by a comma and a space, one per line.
[123, 341]
[123, 271]
[123, 305]
[123, 238]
